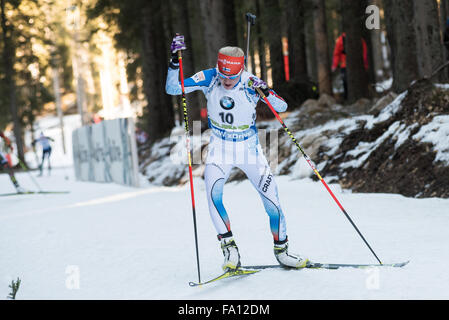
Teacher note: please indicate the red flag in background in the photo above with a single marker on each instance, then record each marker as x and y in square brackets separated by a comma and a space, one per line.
[286, 63]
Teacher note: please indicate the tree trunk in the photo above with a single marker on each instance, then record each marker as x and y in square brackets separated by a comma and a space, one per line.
[368, 35]
[444, 8]
[272, 15]
[215, 35]
[353, 15]
[196, 26]
[428, 36]
[181, 24]
[444, 11]
[402, 39]
[261, 43]
[377, 63]
[230, 24]
[443, 17]
[9, 80]
[310, 41]
[297, 40]
[159, 113]
[322, 49]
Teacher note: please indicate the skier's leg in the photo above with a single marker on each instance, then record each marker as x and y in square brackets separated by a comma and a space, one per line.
[5, 166]
[263, 180]
[259, 173]
[215, 177]
[46, 154]
[48, 158]
[41, 166]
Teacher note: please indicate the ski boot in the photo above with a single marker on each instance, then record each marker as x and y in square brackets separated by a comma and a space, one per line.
[230, 252]
[19, 189]
[287, 259]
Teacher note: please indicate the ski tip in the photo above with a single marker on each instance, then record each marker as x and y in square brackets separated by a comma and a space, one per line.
[226, 274]
[401, 264]
[395, 265]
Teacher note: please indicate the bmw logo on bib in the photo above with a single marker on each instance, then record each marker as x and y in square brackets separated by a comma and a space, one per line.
[227, 103]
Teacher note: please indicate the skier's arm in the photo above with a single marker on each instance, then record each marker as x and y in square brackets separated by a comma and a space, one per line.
[277, 102]
[274, 99]
[172, 84]
[199, 81]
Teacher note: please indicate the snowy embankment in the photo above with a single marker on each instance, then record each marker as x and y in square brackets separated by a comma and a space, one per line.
[105, 241]
[403, 149]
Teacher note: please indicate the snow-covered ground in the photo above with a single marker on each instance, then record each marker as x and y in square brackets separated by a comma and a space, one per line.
[105, 241]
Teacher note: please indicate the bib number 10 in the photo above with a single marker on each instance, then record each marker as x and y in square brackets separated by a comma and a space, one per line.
[227, 117]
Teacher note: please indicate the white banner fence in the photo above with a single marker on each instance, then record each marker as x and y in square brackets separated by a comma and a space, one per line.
[106, 152]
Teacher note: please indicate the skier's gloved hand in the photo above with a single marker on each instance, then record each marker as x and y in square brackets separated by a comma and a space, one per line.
[176, 45]
[254, 83]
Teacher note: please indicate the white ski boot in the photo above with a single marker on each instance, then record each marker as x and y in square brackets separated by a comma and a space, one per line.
[19, 189]
[287, 259]
[230, 252]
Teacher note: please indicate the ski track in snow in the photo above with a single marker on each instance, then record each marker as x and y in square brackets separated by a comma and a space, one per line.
[127, 243]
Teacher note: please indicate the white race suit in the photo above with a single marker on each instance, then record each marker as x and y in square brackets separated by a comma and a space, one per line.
[234, 143]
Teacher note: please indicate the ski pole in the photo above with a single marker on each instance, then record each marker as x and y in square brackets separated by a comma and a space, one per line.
[189, 156]
[31, 176]
[309, 161]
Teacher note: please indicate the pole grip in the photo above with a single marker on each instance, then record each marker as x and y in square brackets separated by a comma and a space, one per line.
[251, 18]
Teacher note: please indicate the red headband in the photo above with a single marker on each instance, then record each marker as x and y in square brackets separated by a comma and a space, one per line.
[230, 65]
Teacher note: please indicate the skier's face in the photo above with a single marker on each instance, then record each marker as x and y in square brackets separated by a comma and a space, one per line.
[228, 84]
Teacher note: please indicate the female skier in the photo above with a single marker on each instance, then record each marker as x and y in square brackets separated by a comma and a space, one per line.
[46, 151]
[5, 165]
[231, 106]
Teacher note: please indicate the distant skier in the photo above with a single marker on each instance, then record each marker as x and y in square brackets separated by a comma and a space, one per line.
[4, 164]
[339, 60]
[231, 105]
[46, 151]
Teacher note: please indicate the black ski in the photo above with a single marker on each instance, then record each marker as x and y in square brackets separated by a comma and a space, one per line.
[332, 266]
[33, 192]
